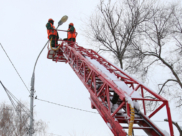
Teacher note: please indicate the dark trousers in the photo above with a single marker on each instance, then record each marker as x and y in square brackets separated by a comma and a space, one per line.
[54, 40]
[71, 39]
[115, 98]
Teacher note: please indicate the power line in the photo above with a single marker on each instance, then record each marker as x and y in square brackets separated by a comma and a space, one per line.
[85, 110]
[164, 121]
[15, 102]
[65, 106]
[14, 67]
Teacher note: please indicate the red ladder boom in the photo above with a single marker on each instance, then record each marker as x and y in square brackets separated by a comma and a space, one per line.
[102, 79]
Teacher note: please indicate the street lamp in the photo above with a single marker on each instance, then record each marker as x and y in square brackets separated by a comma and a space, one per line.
[31, 128]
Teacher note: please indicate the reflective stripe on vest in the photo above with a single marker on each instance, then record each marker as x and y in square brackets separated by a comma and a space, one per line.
[51, 31]
[72, 34]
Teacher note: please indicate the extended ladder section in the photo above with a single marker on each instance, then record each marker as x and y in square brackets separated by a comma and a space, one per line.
[103, 80]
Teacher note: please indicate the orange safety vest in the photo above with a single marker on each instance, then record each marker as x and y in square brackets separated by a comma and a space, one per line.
[51, 31]
[72, 34]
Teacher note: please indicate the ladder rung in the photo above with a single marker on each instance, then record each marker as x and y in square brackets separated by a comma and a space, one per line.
[139, 127]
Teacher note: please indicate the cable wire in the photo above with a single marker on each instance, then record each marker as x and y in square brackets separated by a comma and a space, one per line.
[66, 106]
[15, 102]
[164, 121]
[84, 110]
[14, 67]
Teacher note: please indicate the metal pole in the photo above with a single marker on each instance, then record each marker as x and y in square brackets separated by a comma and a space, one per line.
[31, 128]
[32, 91]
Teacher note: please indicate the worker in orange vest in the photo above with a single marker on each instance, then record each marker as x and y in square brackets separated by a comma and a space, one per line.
[71, 33]
[52, 33]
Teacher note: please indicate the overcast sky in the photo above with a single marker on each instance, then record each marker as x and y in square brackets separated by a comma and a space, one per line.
[23, 34]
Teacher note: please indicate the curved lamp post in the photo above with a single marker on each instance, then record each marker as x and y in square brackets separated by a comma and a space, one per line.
[32, 90]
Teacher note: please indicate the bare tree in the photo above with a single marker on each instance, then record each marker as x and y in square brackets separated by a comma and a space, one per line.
[40, 128]
[5, 121]
[159, 45]
[16, 122]
[140, 36]
[114, 26]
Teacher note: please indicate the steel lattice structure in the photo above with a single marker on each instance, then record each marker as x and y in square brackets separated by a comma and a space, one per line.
[101, 89]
